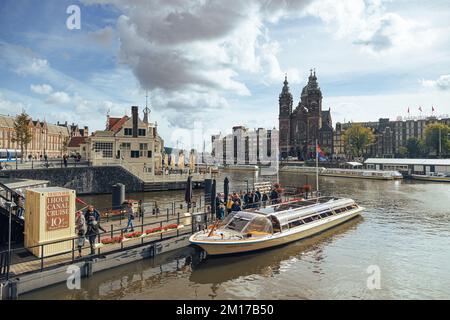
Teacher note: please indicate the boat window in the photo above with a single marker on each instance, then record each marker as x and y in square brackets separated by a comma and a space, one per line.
[259, 226]
[323, 215]
[237, 224]
[349, 207]
[315, 218]
[309, 219]
[295, 223]
[227, 219]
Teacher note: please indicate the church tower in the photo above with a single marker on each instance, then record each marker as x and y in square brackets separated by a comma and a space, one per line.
[285, 104]
[311, 99]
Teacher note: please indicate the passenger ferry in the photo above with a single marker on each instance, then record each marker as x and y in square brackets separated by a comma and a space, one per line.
[275, 225]
[438, 177]
[362, 174]
[302, 169]
[239, 167]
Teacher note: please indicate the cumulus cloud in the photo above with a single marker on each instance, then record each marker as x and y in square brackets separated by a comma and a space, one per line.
[442, 83]
[368, 24]
[59, 97]
[32, 66]
[196, 49]
[44, 89]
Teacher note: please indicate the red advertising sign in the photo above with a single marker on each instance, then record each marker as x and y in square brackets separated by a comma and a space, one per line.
[57, 210]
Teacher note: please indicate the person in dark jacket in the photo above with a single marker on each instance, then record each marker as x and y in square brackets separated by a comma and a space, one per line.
[257, 198]
[274, 196]
[93, 230]
[246, 200]
[236, 207]
[91, 211]
[264, 199]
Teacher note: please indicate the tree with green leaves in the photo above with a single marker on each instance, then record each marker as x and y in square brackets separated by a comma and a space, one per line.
[22, 134]
[416, 148]
[356, 138]
[436, 138]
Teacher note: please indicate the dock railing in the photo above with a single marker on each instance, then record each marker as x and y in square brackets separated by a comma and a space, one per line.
[150, 229]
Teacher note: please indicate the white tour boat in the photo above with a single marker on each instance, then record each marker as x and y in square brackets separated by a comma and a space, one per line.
[275, 225]
[362, 174]
[437, 177]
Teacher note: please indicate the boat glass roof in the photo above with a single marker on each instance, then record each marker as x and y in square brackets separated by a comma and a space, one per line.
[294, 205]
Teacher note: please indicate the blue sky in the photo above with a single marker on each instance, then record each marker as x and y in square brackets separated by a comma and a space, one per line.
[210, 65]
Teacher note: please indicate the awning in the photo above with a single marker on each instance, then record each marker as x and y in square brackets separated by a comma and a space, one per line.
[355, 164]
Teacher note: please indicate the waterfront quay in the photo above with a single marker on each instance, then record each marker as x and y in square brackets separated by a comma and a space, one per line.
[404, 232]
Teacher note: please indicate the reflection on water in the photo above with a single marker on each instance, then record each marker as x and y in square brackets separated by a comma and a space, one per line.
[405, 231]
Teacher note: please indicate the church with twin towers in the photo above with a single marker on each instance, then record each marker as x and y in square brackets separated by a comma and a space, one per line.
[302, 126]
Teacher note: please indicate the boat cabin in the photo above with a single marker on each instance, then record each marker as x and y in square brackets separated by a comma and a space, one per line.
[281, 217]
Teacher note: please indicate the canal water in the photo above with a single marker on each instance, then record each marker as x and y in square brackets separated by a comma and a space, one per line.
[402, 239]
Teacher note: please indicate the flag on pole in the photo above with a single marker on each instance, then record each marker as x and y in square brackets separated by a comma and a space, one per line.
[408, 110]
[320, 154]
[420, 109]
[432, 109]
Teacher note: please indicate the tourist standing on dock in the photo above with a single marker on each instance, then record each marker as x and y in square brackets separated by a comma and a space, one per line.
[229, 204]
[221, 212]
[93, 230]
[258, 197]
[65, 160]
[236, 207]
[264, 199]
[130, 215]
[91, 211]
[274, 196]
[80, 229]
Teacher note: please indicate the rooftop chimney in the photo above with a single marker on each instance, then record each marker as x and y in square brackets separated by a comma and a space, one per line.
[135, 117]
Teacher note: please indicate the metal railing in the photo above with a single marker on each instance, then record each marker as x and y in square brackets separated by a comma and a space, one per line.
[195, 221]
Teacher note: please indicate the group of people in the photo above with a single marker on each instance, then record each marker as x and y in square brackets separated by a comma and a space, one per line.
[245, 200]
[87, 225]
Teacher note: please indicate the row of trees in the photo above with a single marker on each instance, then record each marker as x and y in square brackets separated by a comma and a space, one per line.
[435, 142]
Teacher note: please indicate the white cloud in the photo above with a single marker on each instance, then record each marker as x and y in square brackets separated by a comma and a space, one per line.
[370, 25]
[33, 66]
[442, 83]
[44, 89]
[59, 97]
[8, 107]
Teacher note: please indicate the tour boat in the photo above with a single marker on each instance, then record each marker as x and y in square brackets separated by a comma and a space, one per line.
[239, 167]
[302, 169]
[362, 174]
[275, 225]
[438, 177]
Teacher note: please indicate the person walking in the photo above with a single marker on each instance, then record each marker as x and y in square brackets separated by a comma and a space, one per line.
[258, 197]
[80, 229]
[130, 215]
[93, 230]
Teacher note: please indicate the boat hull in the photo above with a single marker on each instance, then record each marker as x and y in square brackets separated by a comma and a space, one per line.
[218, 248]
[429, 178]
[357, 176]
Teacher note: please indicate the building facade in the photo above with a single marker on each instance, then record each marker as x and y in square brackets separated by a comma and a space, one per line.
[244, 146]
[390, 136]
[128, 141]
[301, 127]
[46, 139]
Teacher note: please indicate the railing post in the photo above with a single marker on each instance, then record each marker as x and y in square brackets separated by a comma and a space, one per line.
[73, 250]
[161, 235]
[178, 223]
[112, 232]
[167, 214]
[42, 257]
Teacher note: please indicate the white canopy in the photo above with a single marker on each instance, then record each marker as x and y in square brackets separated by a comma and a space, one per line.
[354, 164]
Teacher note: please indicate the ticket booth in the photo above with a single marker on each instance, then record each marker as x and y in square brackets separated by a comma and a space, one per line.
[49, 216]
